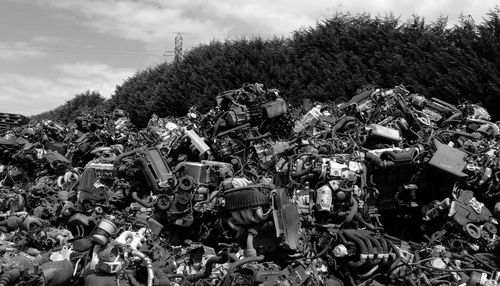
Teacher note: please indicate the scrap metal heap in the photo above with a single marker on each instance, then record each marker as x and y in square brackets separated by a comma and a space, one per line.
[390, 188]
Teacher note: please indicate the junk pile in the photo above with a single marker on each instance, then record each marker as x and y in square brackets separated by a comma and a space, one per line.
[390, 188]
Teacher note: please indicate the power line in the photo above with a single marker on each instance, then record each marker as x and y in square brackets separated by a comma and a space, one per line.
[89, 50]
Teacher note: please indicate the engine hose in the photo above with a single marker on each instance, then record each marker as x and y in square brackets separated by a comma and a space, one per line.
[368, 243]
[250, 250]
[376, 242]
[342, 122]
[239, 230]
[368, 225]
[379, 162]
[363, 249]
[369, 273]
[353, 211]
[149, 265]
[342, 238]
[324, 250]
[453, 117]
[208, 267]
[227, 279]
[385, 247]
[398, 259]
[481, 121]
[260, 215]
[237, 217]
[248, 216]
[377, 248]
[9, 278]
[142, 202]
[141, 162]
[179, 275]
[120, 157]
[265, 135]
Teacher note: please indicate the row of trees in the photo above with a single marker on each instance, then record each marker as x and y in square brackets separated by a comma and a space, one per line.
[330, 62]
[79, 104]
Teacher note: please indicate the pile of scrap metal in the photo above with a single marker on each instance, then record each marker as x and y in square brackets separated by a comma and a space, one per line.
[9, 120]
[390, 188]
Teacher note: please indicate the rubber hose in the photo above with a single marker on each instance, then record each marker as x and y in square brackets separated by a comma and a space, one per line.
[141, 202]
[342, 122]
[398, 259]
[324, 250]
[362, 246]
[250, 250]
[238, 218]
[9, 278]
[120, 157]
[376, 243]
[451, 118]
[385, 247]
[141, 162]
[379, 162]
[248, 216]
[227, 279]
[377, 247]
[367, 224]
[208, 267]
[353, 211]
[260, 215]
[239, 230]
[368, 243]
[369, 273]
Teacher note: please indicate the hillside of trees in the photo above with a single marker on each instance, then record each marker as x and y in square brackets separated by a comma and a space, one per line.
[330, 62]
[79, 104]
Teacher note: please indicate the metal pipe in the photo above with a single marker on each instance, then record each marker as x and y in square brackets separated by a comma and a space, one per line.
[248, 216]
[236, 215]
[250, 250]
[260, 215]
[232, 224]
[149, 265]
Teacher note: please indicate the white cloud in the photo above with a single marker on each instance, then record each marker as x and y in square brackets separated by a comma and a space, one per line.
[18, 50]
[35, 94]
[153, 21]
[45, 40]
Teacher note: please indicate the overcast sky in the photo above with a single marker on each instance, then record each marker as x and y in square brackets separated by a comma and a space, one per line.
[51, 50]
